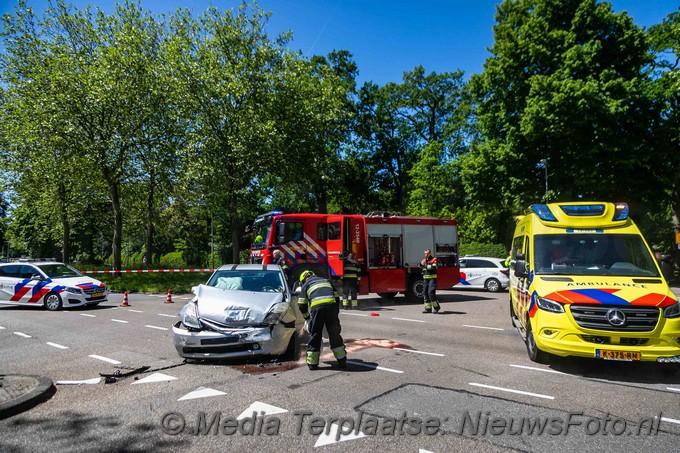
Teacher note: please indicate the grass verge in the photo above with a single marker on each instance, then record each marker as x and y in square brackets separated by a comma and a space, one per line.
[153, 282]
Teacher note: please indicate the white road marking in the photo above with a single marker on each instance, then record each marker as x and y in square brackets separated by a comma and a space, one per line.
[670, 420]
[419, 352]
[353, 314]
[406, 319]
[482, 327]
[672, 389]
[258, 407]
[104, 359]
[502, 389]
[201, 392]
[155, 327]
[119, 320]
[156, 377]
[2, 328]
[167, 316]
[58, 346]
[89, 316]
[136, 311]
[538, 369]
[333, 435]
[21, 334]
[375, 367]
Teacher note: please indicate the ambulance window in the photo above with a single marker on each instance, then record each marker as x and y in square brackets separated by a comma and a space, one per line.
[333, 231]
[517, 246]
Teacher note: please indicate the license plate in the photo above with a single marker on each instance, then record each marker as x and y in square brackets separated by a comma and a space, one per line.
[97, 294]
[617, 355]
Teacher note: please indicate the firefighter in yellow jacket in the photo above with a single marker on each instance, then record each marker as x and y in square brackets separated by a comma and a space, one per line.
[319, 304]
[428, 267]
[350, 281]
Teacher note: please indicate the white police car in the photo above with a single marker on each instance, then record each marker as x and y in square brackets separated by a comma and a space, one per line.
[48, 284]
[483, 272]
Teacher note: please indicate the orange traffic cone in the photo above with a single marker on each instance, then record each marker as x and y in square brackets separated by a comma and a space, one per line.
[125, 300]
[168, 300]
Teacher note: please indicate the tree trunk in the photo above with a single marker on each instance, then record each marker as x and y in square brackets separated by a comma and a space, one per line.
[150, 223]
[114, 190]
[63, 211]
[235, 238]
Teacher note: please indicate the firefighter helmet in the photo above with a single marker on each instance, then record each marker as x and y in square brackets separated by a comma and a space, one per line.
[305, 275]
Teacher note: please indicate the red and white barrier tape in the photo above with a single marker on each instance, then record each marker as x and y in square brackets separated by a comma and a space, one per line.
[146, 271]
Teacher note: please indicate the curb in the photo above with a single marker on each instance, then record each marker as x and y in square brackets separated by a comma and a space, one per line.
[43, 391]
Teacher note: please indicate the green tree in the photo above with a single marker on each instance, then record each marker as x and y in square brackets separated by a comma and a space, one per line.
[565, 83]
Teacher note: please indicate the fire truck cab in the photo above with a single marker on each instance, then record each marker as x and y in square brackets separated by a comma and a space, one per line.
[388, 247]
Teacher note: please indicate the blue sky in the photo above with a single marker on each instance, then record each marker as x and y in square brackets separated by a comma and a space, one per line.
[386, 37]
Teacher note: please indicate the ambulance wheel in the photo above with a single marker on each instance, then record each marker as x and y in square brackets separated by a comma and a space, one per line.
[414, 290]
[52, 301]
[492, 285]
[535, 354]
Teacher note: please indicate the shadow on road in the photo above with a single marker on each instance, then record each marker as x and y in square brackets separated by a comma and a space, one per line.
[623, 372]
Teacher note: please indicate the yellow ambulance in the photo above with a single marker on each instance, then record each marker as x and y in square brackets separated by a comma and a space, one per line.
[583, 282]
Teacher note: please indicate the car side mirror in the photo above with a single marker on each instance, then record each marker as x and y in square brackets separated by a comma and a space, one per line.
[521, 268]
[36, 277]
[297, 291]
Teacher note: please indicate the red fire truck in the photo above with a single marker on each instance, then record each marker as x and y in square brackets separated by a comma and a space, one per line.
[388, 247]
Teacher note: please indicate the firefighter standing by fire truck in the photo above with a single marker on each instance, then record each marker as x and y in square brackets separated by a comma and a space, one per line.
[319, 304]
[428, 267]
[350, 281]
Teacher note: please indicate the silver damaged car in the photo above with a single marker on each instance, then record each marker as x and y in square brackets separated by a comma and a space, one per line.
[243, 310]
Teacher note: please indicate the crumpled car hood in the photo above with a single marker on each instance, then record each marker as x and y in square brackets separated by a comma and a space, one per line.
[235, 308]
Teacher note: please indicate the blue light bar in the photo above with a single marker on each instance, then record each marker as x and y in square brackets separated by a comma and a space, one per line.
[543, 212]
[583, 210]
[621, 212]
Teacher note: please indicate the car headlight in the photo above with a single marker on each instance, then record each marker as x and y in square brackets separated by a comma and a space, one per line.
[73, 290]
[549, 305]
[672, 311]
[190, 316]
[275, 314]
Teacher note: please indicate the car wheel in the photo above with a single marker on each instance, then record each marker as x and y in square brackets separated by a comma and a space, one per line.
[492, 285]
[535, 354]
[52, 301]
[414, 291]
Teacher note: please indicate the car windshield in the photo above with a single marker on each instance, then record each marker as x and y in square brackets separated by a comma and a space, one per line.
[242, 280]
[593, 254]
[59, 270]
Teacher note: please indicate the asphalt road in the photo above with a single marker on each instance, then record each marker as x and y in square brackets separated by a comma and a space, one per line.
[464, 373]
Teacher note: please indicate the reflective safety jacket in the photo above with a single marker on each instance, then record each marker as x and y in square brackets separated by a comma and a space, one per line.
[429, 267]
[314, 292]
[351, 269]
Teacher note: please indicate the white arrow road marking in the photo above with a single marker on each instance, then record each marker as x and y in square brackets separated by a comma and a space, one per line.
[419, 352]
[105, 359]
[375, 367]
[21, 334]
[330, 438]
[260, 409]
[156, 377]
[502, 389]
[58, 346]
[89, 316]
[155, 327]
[406, 319]
[201, 392]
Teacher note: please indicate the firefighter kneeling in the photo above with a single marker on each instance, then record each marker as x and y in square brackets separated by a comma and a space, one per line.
[350, 281]
[319, 305]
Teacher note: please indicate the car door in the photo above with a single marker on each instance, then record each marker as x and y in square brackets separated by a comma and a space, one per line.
[475, 273]
[10, 279]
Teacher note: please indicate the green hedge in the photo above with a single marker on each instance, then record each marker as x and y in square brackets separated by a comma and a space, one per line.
[491, 250]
